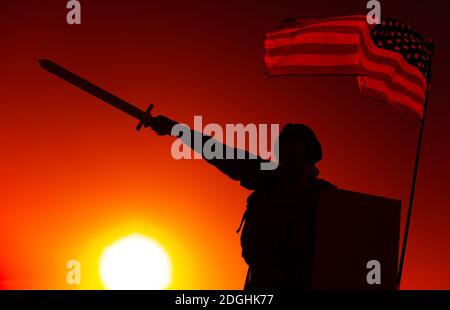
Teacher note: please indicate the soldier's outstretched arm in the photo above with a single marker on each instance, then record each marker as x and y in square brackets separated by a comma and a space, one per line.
[242, 166]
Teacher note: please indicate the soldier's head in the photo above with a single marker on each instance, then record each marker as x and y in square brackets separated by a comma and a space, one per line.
[298, 143]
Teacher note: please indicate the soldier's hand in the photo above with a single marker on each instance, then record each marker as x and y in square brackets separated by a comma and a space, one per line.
[162, 125]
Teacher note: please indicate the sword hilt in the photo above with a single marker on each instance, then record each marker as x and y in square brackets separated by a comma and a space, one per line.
[147, 112]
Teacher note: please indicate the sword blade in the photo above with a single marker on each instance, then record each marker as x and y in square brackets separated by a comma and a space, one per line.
[93, 89]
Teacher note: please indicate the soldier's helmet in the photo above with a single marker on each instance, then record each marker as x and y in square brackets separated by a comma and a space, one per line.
[299, 140]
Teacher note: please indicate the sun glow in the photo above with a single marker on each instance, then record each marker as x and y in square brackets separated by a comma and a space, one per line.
[135, 262]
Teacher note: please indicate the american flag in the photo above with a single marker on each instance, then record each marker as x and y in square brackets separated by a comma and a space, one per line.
[391, 61]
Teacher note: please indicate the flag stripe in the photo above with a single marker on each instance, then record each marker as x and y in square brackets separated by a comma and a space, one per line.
[348, 61]
[390, 74]
[301, 21]
[321, 35]
[315, 70]
[367, 91]
[308, 48]
[378, 90]
[313, 25]
[313, 60]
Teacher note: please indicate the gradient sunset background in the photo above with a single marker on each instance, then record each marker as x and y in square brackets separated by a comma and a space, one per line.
[76, 176]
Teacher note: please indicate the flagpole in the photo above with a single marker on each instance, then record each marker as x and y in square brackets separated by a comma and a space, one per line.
[413, 187]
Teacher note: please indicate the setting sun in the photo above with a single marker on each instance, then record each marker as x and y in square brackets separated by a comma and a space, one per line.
[135, 262]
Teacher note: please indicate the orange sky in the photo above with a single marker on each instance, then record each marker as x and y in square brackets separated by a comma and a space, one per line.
[77, 176]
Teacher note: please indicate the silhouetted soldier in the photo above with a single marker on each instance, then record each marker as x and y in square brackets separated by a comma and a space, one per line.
[278, 236]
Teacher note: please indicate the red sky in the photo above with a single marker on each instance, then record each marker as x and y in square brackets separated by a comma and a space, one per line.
[77, 176]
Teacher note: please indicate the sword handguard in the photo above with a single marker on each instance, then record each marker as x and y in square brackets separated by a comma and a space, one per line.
[147, 112]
